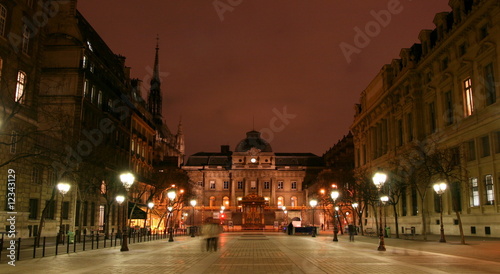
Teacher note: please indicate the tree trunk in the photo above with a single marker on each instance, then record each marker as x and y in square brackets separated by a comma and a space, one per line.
[462, 236]
[44, 214]
[107, 212]
[424, 225]
[396, 223]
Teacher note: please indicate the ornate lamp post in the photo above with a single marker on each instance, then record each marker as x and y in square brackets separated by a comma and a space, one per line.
[171, 196]
[440, 189]
[193, 204]
[355, 210]
[63, 189]
[335, 195]
[313, 204]
[379, 180]
[127, 180]
[119, 200]
[150, 206]
[384, 199]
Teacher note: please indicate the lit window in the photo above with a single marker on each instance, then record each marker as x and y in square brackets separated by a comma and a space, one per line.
[468, 97]
[474, 198]
[20, 87]
[253, 184]
[92, 94]
[84, 62]
[99, 98]
[90, 46]
[212, 201]
[3, 19]
[26, 39]
[293, 201]
[280, 185]
[212, 184]
[490, 194]
[281, 201]
[489, 85]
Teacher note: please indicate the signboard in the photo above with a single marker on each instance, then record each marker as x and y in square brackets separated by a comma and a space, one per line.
[216, 215]
[230, 223]
[275, 224]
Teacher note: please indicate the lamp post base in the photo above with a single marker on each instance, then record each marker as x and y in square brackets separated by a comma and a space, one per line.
[335, 236]
[124, 242]
[381, 244]
[170, 236]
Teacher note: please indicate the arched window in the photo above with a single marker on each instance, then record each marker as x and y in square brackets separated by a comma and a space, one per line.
[281, 201]
[212, 201]
[293, 201]
[225, 201]
[3, 19]
[21, 86]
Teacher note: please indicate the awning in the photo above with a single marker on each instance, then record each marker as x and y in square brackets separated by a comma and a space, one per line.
[138, 213]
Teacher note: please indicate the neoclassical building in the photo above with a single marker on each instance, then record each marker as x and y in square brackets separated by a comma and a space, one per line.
[443, 91]
[252, 182]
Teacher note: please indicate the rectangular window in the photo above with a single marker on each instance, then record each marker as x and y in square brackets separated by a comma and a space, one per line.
[437, 205]
[489, 85]
[448, 108]
[212, 184]
[280, 184]
[267, 185]
[35, 175]
[20, 87]
[414, 202]
[432, 117]
[240, 185]
[200, 183]
[253, 184]
[3, 19]
[400, 132]
[485, 146]
[65, 210]
[474, 192]
[468, 97]
[497, 142]
[404, 202]
[84, 61]
[101, 217]
[99, 99]
[456, 197]
[409, 119]
[471, 150]
[51, 209]
[226, 184]
[490, 194]
[26, 39]
[13, 142]
[294, 185]
[33, 209]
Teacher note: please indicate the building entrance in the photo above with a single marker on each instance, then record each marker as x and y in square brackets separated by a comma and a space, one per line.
[253, 212]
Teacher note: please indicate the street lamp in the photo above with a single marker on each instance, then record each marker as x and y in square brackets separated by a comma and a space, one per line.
[440, 188]
[193, 204]
[379, 180]
[150, 206]
[384, 199]
[335, 195]
[127, 180]
[355, 209]
[313, 204]
[63, 189]
[119, 200]
[171, 195]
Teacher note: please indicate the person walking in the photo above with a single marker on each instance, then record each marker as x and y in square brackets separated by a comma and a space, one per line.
[352, 231]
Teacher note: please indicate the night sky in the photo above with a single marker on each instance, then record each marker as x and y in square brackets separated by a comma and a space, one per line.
[271, 65]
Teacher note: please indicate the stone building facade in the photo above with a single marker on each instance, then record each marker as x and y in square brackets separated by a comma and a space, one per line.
[73, 115]
[253, 183]
[441, 93]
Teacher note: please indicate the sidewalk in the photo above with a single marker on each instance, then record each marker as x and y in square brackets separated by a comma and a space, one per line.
[249, 252]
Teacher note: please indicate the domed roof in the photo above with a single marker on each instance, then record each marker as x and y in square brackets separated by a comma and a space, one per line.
[253, 140]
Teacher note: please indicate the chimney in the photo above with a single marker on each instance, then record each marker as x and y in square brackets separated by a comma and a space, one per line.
[224, 149]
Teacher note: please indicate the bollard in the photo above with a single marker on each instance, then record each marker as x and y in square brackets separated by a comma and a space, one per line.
[34, 247]
[67, 246]
[19, 249]
[43, 248]
[115, 239]
[92, 240]
[84, 236]
[74, 246]
[97, 236]
[57, 243]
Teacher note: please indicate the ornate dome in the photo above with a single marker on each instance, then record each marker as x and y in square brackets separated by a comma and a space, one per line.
[253, 140]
